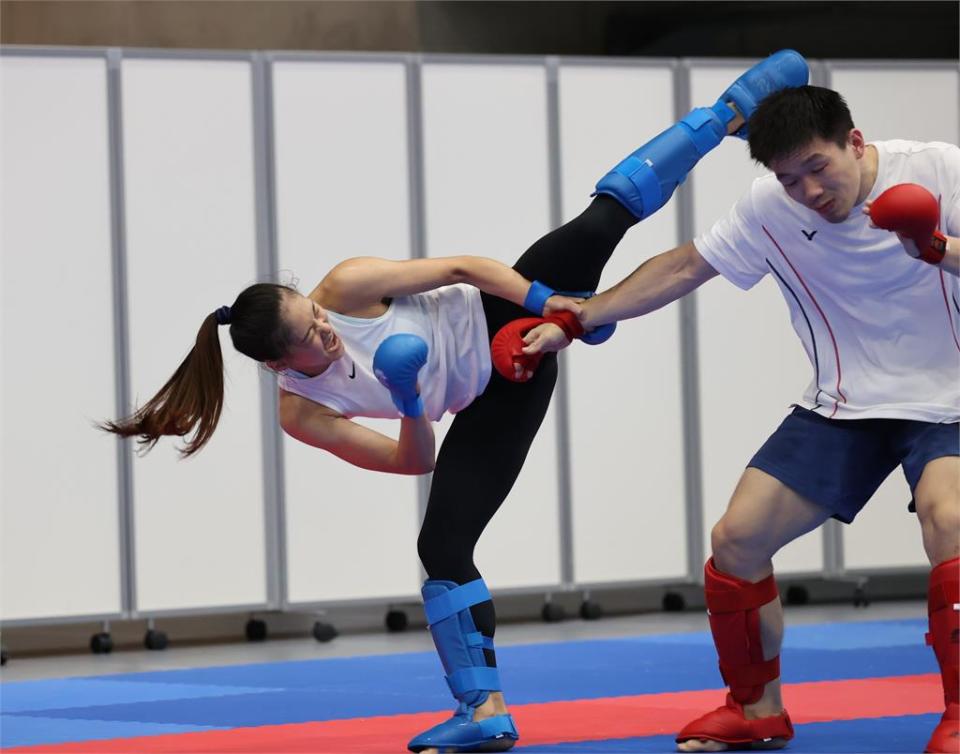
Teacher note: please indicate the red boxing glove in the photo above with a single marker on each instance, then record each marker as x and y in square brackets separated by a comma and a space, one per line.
[506, 348]
[913, 212]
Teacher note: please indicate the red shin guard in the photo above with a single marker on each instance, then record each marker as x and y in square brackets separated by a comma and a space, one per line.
[943, 604]
[733, 605]
[943, 607]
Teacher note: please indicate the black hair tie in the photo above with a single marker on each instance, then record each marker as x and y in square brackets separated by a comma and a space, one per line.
[223, 315]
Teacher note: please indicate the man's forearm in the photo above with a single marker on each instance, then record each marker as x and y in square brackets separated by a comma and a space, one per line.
[658, 281]
[951, 260]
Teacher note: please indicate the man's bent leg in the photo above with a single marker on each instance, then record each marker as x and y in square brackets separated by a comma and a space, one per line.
[746, 617]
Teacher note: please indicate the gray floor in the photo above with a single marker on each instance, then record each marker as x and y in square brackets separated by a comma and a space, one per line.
[414, 640]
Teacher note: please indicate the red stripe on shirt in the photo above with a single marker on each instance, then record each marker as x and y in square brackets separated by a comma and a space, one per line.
[836, 349]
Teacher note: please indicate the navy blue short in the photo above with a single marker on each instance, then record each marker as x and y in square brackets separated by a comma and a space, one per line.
[840, 463]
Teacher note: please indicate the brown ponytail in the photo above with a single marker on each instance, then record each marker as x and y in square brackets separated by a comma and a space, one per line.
[193, 396]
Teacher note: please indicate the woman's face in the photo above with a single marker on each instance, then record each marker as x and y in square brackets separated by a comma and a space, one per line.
[314, 344]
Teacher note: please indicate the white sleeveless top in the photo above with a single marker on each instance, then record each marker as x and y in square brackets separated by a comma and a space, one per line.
[449, 319]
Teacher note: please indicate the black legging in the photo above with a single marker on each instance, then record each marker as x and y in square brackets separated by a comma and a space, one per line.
[488, 441]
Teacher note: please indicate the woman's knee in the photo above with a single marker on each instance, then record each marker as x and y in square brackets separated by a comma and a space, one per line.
[444, 557]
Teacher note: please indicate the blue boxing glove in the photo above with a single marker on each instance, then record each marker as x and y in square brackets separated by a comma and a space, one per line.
[396, 363]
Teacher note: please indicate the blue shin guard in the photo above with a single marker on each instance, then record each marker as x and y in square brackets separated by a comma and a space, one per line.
[460, 647]
[645, 181]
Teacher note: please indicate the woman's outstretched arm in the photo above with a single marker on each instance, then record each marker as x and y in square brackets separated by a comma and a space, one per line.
[362, 281]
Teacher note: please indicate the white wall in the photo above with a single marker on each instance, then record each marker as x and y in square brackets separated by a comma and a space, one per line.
[626, 420]
[487, 192]
[58, 481]
[340, 135]
[188, 151]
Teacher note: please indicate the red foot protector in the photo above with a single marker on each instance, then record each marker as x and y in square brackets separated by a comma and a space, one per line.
[946, 736]
[727, 724]
[506, 348]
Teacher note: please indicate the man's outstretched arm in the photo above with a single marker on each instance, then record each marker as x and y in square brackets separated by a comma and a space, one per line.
[658, 281]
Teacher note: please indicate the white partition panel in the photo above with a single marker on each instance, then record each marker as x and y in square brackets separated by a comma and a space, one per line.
[59, 502]
[487, 193]
[752, 365]
[340, 134]
[188, 150]
[626, 421]
[885, 102]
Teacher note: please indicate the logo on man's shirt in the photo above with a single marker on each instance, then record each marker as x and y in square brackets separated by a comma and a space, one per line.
[353, 370]
[809, 235]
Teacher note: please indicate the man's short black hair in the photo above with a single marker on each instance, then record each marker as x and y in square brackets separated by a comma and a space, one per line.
[788, 120]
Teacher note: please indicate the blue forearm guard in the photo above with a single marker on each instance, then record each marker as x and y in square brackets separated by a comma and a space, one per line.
[646, 180]
[537, 297]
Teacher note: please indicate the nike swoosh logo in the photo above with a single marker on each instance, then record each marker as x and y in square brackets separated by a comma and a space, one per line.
[353, 370]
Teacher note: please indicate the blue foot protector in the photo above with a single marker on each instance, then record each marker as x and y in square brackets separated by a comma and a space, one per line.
[646, 179]
[782, 70]
[460, 647]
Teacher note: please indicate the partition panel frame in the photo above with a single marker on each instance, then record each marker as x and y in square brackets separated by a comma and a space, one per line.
[835, 564]
[121, 363]
[690, 66]
[262, 224]
[668, 66]
[558, 405]
[409, 63]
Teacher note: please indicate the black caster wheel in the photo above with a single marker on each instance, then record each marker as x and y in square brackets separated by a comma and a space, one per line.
[552, 612]
[860, 598]
[396, 621]
[101, 644]
[3, 657]
[324, 631]
[155, 640]
[797, 595]
[673, 602]
[590, 610]
[255, 629]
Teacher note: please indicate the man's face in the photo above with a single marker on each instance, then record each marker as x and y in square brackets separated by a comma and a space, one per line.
[823, 176]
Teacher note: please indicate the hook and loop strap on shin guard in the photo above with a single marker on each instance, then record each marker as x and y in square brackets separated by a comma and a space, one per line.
[645, 180]
[733, 605]
[459, 643]
[453, 601]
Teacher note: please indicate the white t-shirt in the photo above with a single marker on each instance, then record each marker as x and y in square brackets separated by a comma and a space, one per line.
[449, 319]
[882, 330]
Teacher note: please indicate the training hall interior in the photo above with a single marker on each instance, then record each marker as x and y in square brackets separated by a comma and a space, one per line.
[264, 595]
